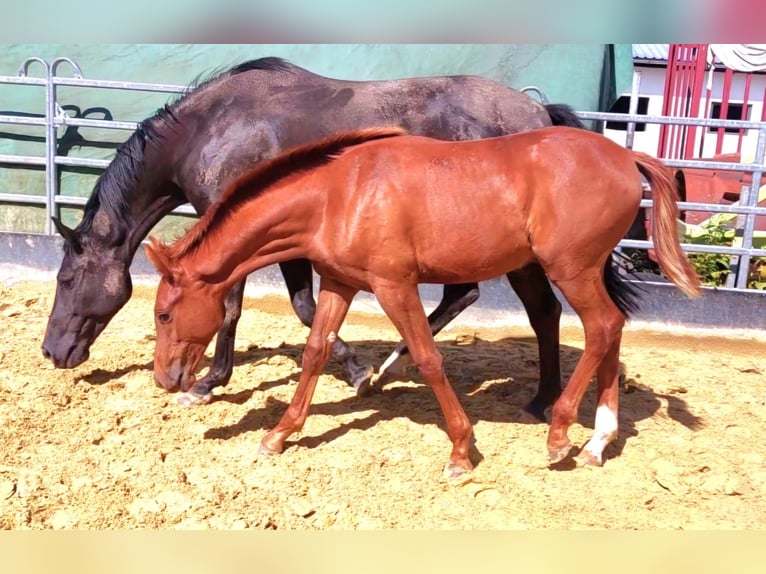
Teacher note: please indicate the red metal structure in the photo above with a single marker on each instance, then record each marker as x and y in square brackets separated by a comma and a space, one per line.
[685, 86]
[684, 81]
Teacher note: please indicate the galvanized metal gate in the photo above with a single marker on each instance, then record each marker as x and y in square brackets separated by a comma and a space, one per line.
[55, 117]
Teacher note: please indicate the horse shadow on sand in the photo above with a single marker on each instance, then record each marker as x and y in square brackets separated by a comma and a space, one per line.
[492, 379]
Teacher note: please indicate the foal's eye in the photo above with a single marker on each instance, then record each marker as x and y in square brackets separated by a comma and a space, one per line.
[163, 317]
[66, 283]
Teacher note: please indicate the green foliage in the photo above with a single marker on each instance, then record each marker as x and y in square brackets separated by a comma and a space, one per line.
[757, 277]
[714, 268]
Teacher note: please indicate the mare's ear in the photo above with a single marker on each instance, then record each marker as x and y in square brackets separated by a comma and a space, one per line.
[155, 252]
[68, 234]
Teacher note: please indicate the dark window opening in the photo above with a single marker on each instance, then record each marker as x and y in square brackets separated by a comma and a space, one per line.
[733, 112]
[622, 106]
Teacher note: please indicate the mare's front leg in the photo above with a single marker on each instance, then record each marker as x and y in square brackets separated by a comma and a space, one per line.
[544, 311]
[403, 306]
[455, 299]
[222, 367]
[298, 278]
[334, 300]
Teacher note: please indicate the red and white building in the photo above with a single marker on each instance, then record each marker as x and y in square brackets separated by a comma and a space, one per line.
[696, 80]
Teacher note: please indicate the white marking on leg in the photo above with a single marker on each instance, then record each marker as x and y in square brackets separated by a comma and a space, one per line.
[332, 337]
[604, 433]
[389, 361]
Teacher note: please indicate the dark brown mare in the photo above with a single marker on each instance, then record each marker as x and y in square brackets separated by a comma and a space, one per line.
[200, 144]
[386, 215]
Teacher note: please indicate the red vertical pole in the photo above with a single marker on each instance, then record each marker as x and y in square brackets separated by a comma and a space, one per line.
[708, 97]
[763, 106]
[662, 145]
[680, 100]
[743, 115]
[724, 107]
[698, 77]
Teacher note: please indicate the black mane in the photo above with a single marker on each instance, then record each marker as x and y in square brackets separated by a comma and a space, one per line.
[121, 176]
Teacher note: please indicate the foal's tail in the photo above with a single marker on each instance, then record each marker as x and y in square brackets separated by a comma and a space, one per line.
[670, 256]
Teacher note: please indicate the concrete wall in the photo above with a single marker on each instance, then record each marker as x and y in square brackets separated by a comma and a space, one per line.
[32, 256]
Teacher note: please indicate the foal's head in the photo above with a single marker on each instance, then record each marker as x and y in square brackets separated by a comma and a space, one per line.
[187, 313]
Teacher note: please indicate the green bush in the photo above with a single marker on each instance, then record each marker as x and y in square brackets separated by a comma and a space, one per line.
[714, 268]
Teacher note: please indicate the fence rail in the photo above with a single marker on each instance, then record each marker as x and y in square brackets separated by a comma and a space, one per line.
[56, 117]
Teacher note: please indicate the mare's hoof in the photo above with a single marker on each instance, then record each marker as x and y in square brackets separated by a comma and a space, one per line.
[189, 399]
[362, 383]
[455, 471]
[394, 368]
[558, 454]
[586, 458]
[537, 410]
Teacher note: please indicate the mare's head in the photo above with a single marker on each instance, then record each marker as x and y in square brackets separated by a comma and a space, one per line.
[132, 194]
[187, 314]
[93, 281]
[92, 284]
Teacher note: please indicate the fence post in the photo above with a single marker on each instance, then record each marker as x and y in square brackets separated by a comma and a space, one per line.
[743, 269]
[51, 142]
[49, 130]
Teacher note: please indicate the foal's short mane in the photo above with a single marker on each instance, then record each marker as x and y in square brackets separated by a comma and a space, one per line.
[118, 181]
[266, 175]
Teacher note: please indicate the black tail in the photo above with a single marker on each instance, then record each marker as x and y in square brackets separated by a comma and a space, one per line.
[623, 293]
[563, 115]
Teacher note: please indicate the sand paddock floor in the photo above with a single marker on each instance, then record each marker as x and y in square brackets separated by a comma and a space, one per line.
[101, 447]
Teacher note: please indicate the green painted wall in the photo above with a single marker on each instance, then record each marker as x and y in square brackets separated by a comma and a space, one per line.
[569, 74]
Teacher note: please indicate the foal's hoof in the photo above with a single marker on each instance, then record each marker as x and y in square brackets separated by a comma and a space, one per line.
[268, 451]
[363, 381]
[587, 458]
[455, 471]
[557, 454]
[191, 400]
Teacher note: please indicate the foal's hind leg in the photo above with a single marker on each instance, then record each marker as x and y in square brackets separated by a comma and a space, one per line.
[602, 323]
[222, 366]
[606, 427]
[455, 299]
[334, 301]
[544, 311]
[403, 306]
[298, 278]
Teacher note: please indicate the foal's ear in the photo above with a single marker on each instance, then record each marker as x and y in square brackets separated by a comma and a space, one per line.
[155, 252]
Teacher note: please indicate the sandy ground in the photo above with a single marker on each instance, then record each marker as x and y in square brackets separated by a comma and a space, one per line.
[101, 447]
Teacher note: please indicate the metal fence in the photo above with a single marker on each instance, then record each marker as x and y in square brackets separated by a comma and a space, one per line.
[55, 117]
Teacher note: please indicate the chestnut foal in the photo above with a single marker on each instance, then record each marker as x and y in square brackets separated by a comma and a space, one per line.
[381, 211]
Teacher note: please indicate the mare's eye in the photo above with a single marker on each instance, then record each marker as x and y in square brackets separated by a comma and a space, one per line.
[66, 283]
[163, 317]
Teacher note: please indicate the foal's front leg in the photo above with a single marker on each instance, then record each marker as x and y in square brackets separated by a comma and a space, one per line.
[298, 278]
[403, 306]
[455, 299]
[333, 304]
